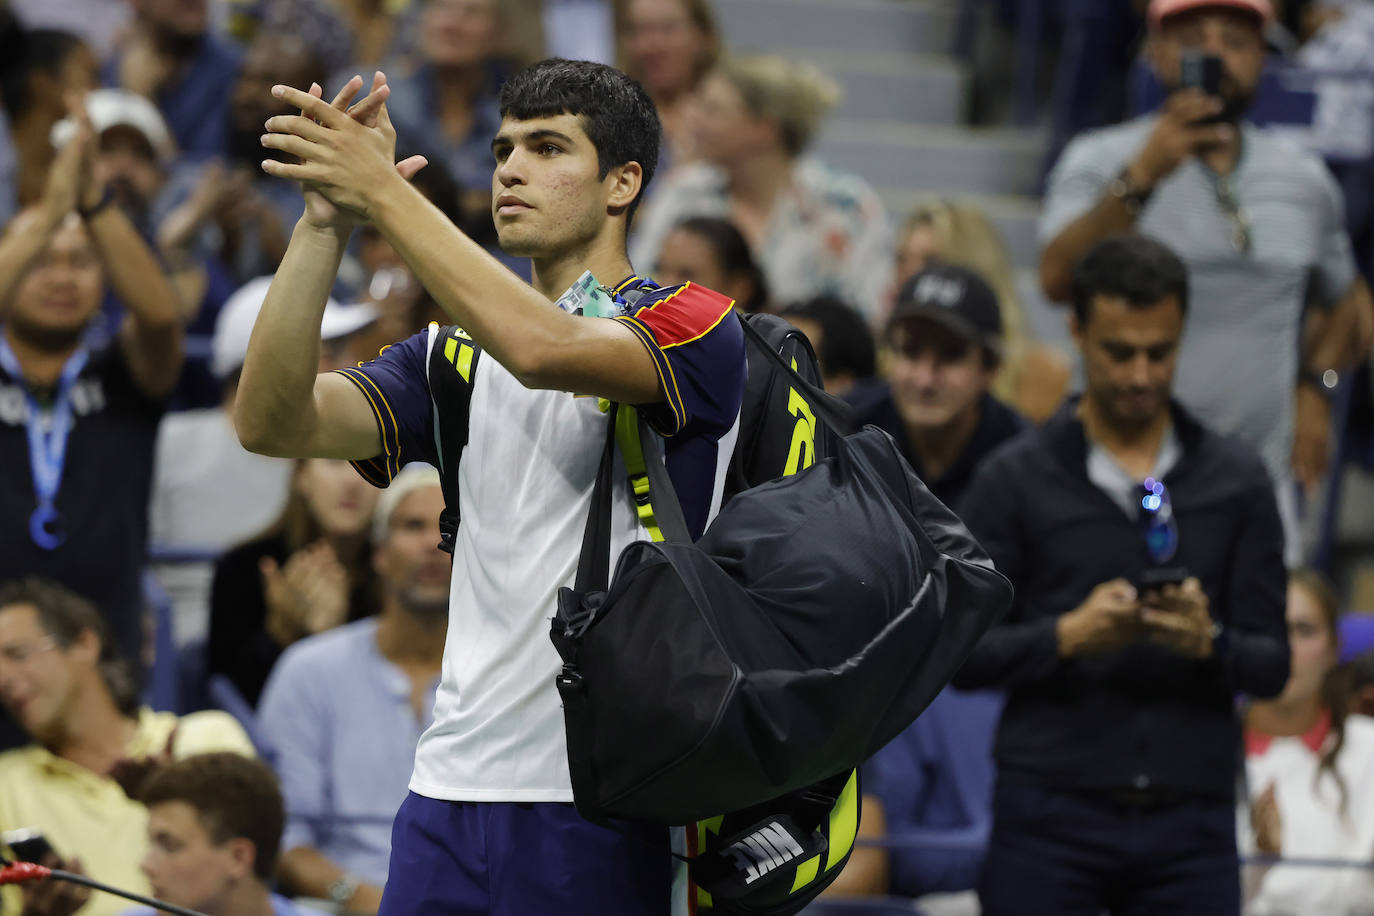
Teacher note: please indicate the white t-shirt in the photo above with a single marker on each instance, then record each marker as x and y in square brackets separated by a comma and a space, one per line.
[525, 481]
[1313, 824]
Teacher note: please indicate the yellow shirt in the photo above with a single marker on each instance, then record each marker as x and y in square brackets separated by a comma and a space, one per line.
[88, 816]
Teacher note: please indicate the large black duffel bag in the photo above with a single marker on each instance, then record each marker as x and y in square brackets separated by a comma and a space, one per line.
[812, 622]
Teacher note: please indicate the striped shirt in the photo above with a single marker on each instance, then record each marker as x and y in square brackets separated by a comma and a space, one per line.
[525, 481]
[1239, 358]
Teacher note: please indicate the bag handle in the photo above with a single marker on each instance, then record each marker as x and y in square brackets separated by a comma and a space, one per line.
[594, 563]
[667, 508]
[835, 412]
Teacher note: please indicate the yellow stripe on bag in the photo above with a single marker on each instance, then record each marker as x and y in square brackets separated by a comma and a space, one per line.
[844, 822]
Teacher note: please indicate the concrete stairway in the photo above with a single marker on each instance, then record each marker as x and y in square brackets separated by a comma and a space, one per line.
[901, 124]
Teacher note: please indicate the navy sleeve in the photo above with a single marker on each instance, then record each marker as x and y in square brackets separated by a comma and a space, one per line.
[698, 350]
[396, 385]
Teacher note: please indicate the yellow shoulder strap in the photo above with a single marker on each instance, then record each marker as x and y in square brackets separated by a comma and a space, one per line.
[632, 451]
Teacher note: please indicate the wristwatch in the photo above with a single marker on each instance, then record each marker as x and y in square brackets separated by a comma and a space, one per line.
[342, 890]
[1131, 197]
[106, 198]
[1323, 382]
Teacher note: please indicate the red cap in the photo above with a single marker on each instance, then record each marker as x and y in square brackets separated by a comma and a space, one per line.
[1163, 9]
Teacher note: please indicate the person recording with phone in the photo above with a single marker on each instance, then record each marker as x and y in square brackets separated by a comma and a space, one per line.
[1258, 220]
[1146, 553]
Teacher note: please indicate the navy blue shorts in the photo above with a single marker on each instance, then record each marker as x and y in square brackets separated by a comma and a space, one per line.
[509, 859]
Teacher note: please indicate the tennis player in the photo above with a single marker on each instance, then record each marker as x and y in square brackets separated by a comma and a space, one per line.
[488, 826]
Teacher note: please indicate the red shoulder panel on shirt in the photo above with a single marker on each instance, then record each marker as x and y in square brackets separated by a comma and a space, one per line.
[683, 314]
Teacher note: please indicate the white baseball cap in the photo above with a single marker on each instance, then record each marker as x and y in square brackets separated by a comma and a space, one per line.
[234, 326]
[120, 108]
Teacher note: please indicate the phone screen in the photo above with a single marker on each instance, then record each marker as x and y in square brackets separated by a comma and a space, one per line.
[1200, 71]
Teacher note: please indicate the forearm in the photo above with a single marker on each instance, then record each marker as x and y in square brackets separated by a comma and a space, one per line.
[133, 271]
[1340, 340]
[510, 319]
[28, 234]
[1109, 216]
[1011, 654]
[275, 408]
[307, 872]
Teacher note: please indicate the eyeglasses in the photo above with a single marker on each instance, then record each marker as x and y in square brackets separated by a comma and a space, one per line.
[21, 653]
[1240, 221]
[1157, 521]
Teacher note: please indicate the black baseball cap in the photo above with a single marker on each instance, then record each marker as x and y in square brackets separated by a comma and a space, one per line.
[956, 298]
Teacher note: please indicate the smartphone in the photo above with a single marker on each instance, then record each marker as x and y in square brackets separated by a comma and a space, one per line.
[27, 844]
[1201, 71]
[1156, 577]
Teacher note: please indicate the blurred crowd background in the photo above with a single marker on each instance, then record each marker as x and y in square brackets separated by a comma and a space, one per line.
[907, 180]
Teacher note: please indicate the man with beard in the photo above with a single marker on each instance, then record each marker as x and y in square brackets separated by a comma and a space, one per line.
[343, 710]
[171, 57]
[77, 425]
[1258, 221]
[1146, 552]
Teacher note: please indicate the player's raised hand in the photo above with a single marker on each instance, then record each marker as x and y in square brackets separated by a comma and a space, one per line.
[341, 154]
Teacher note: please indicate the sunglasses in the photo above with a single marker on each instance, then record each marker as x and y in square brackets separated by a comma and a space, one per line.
[1235, 213]
[1157, 522]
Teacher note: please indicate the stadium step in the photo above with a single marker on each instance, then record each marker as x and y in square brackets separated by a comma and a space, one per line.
[883, 85]
[948, 160]
[856, 26]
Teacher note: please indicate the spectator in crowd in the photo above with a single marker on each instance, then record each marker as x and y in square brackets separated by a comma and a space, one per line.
[669, 46]
[343, 710]
[308, 573]
[172, 56]
[1310, 769]
[928, 794]
[446, 103]
[1263, 234]
[209, 494]
[945, 345]
[98, 23]
[381, 30]
[814, 231]
[136, 159]
[1116, 751]
[710, 251]
[38, 70]
[844, 348]
[214, 827]
[62, 679]
[1032, 377]
[388, 284]
[77, 425]
[235, 211]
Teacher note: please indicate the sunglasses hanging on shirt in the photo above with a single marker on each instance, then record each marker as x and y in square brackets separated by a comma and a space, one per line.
[1235, 213]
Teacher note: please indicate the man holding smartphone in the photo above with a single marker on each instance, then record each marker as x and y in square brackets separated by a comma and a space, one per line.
[1146, 554]
[1259, 222]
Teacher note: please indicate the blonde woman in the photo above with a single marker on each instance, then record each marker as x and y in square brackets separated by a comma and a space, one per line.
[1033, 377]
[813, 230]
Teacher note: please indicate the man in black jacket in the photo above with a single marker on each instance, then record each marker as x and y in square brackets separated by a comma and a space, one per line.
[1117, 750]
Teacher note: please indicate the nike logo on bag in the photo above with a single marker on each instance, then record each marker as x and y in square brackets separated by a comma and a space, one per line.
[764, 850]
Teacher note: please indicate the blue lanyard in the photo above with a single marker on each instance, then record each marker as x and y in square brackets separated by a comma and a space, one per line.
[47, 447]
